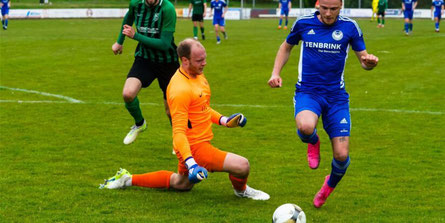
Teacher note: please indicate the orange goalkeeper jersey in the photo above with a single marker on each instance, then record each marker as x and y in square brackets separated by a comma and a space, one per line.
[188, 98]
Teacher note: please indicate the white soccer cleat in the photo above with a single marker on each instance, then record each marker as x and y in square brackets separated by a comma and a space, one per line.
[252, 194]
[134, 132]
[118, 181]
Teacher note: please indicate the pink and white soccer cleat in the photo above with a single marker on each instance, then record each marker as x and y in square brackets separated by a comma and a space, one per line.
[323, 194]
[313, 155]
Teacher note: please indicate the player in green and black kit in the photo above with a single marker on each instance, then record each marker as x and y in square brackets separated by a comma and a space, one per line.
[382, 6]
[199, 12]
[155, 55]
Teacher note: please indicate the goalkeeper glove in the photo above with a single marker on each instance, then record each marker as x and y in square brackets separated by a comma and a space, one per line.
[234, 120]
[196, 172]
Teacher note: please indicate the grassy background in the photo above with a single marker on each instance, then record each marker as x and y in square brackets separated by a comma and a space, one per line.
[54, 155]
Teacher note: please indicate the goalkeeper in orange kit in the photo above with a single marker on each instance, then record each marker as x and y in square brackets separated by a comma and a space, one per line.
[188, 97]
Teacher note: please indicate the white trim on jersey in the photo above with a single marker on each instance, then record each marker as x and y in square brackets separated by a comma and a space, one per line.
[360, 33]
[302, 17]
[342, 82]
[300, 64]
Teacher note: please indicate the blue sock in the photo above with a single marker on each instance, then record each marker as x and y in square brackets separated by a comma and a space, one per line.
[338, 170]
[411, 27]
[312, 139]
[281, 21]
[218, 39]
[287, 21]
[437, 25]
[6, 22]
[406, 27]
[3, 22]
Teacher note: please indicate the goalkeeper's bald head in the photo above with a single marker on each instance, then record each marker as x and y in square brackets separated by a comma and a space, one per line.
[185, 47]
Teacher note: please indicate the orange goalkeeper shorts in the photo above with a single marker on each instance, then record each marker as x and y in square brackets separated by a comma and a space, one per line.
[206, 156]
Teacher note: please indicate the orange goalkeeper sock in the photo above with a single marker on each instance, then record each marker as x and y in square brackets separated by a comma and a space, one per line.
[159, 179]
[238, 183]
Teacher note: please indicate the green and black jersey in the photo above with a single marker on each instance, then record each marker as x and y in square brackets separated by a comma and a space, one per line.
[154, 30]
[198, 6]
[383, 5]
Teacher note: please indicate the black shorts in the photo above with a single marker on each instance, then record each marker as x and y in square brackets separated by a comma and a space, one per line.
[147, 71]
[382, 13]
[197, 18]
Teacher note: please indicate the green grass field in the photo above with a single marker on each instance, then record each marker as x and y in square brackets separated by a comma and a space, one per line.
[54, 153]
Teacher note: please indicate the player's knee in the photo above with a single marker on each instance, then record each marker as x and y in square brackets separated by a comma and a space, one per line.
[306, 128]
[341, 156]
[181, 184]
[128, 95]
[184, 187]
[242, 168]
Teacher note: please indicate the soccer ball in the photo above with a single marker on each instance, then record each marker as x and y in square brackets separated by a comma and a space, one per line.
[289, 213]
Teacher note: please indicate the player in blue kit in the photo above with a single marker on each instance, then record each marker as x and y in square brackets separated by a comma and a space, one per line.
[6, 4]
[284, 6]
[408, 7]
[220, 8]
[437, 8]
[320, 91]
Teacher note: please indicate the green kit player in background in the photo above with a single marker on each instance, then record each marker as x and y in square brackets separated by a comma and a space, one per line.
[382, 6]
[199, 13]
[155, 55]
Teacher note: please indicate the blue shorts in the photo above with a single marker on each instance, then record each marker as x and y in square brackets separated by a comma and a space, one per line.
[335, 113]
[284, 12]
[408, 14]
[5, 11]
[219, 21]
[437, 14]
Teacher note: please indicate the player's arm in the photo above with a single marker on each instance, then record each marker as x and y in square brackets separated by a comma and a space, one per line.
[178, 102]
[280, 60]
[162, 43]
[117, 47]
[226, 8]
[235, 120]
[205, 11]
[403, 6]
[279, 5]
[414, 5]
[290, 5]
[190, 9]
[368, 61]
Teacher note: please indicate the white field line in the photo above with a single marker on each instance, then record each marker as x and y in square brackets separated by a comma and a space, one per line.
[69, 100]
[72, 100]
[226, 105]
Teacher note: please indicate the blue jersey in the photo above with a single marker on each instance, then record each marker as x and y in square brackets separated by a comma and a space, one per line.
[218, 6]
[438, 6]
[408, 4]
[284, 4]
[5, 3]
[324, 50]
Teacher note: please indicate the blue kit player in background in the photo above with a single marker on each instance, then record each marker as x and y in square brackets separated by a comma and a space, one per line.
[6, 4]
[408, 7]
[218, 10]
[284, 6]
[437, 8]
[325, 39]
